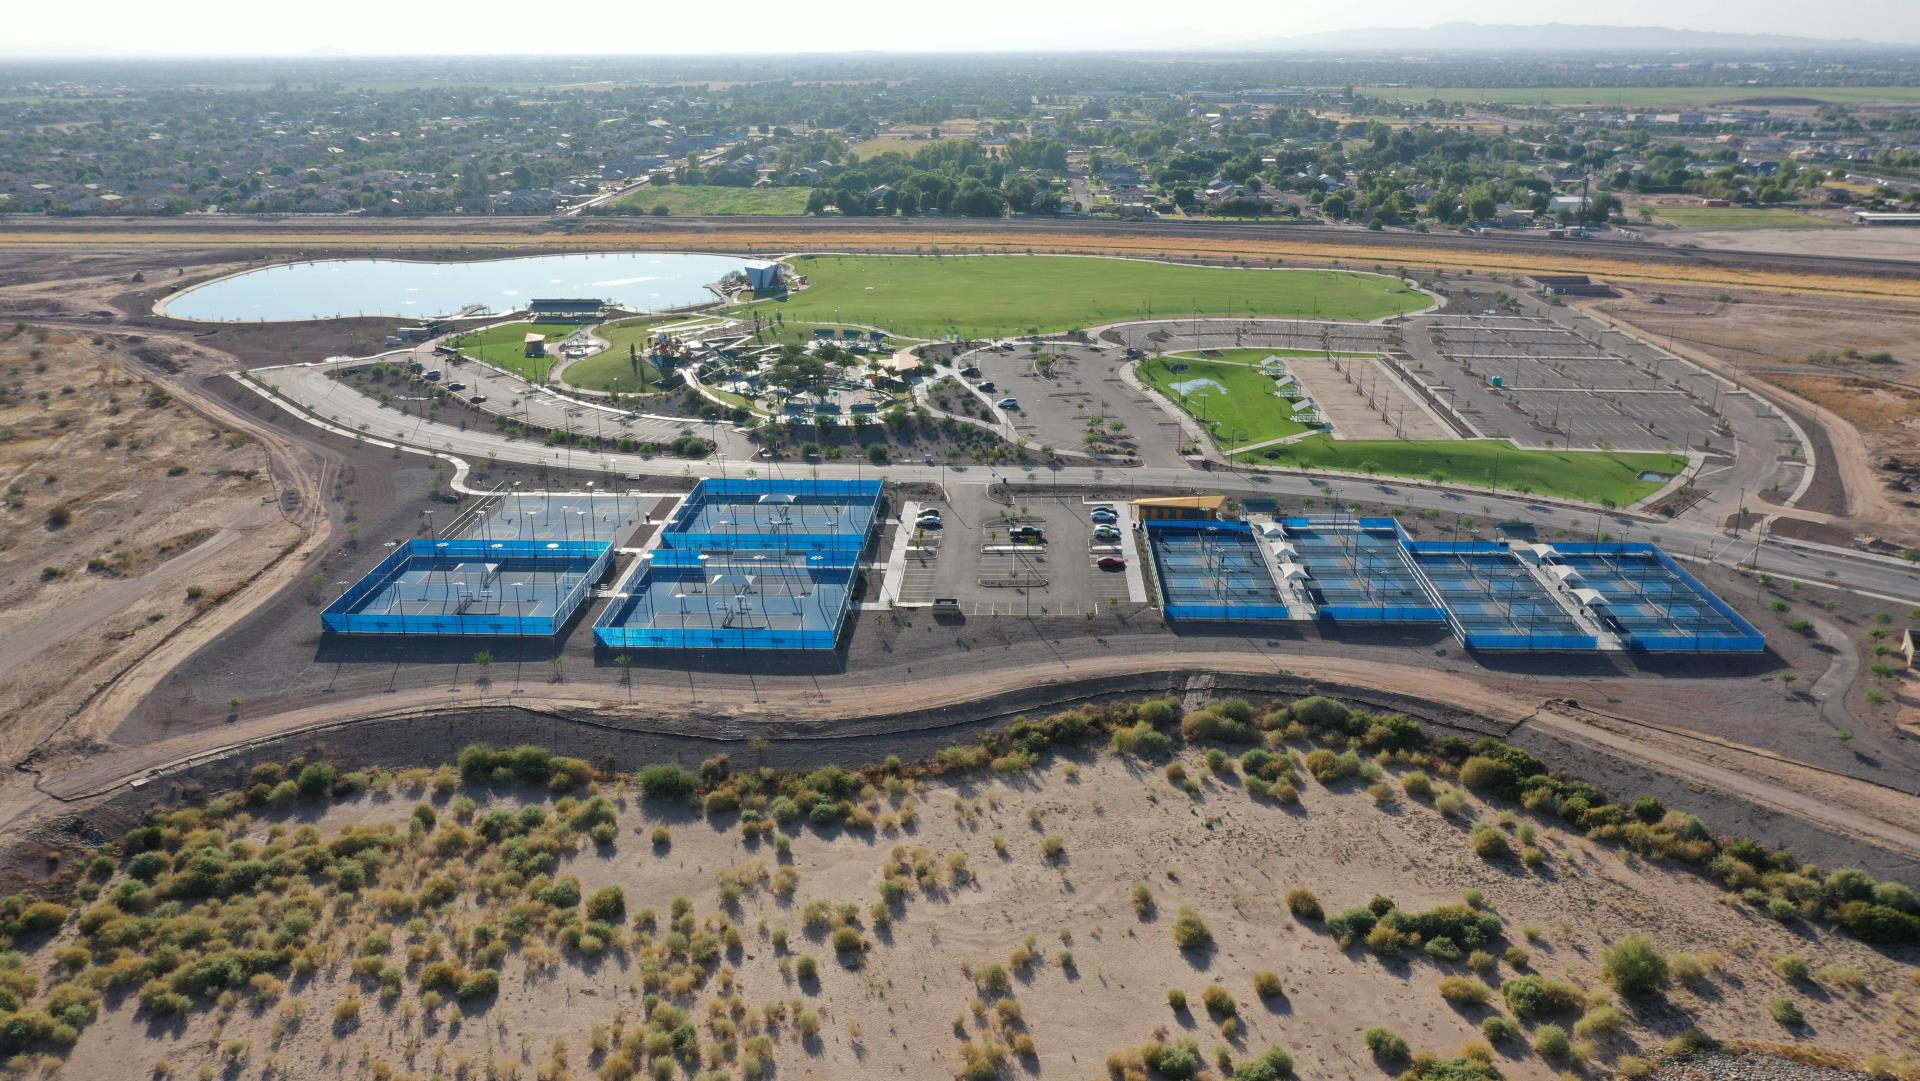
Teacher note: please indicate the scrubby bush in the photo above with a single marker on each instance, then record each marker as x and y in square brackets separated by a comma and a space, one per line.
[1268, 985]
[667, 781]
[1499, 1027]
[1304, 905]
[1387, 1045]
[1190, 931]
[1635, 968]
[1489, 843]
[1273, 1064]
[1533, 996]
[1550, 1041]
[1461, 991]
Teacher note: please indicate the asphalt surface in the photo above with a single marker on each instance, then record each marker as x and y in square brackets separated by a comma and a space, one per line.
[714, 233]
[1695, 539]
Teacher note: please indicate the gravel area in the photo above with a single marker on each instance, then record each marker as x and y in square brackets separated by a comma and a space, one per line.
[1746, 1066]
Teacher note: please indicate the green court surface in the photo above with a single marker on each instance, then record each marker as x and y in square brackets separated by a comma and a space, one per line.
[505, 347]
[1588, 476]
[997, 295]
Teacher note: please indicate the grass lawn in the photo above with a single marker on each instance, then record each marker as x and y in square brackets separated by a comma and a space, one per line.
[991, 295]
[1589, 476]
[1643, 95]
[1740, 217]
[1235, 401]
[505, 347]
[715, 200]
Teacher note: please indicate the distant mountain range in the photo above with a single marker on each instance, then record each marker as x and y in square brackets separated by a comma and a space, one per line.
[1558, 37]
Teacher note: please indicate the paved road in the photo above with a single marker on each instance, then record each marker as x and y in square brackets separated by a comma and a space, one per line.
[1874, 575]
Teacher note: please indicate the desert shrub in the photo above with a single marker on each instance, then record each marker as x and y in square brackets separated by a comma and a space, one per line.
[1417, 784]
[1784, 1012]
[1304, 905]
[1330, 768]
[1272, 1064]
[1321, 712]
[1443, 949]
[1212, 725]
[1599, 1022]
[480, 983]
[1461, 991]
[1499, 1027]
[1352, 925]
[1142, 740]
[1532, 996]
[1190, 931]
[1550, 1041]
[607, 905]
[1387, 1045]
[1489, 843]
[1218, 1001]
[1387, 940]
[1268, 985]
[1635, 968]
[1177, 999]
[1179, 1061]
[667, 781]
[1792, 966]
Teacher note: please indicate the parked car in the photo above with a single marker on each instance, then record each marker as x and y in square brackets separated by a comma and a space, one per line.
[456, 386]
[1111, 563]
[1108, 533]
[1012, 405]
[1027, 534]
[987, 386]
[1105, 515]
[477, 399]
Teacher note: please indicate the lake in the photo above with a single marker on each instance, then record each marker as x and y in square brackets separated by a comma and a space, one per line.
[332, 288]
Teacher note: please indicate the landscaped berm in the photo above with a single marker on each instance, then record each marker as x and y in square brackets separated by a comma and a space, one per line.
[991, 295]
[1250, 891]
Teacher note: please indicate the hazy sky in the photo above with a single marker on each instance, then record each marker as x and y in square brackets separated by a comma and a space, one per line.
[250, 27]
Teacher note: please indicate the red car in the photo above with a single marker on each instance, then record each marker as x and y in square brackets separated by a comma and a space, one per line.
[1111, 563]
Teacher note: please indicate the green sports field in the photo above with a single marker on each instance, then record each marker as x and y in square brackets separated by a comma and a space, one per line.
[1740, 217]
[715, 200]
[1237, 402]
[1644, 96]
[505, 347]
[1588, 476]
[993, 295]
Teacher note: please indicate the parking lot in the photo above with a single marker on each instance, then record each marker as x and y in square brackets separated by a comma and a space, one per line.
[982, 557]
[1567, 384]
[1074, 395]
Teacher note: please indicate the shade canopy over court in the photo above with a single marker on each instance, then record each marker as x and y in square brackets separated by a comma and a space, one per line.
[748, 564]
[1493, 596]
[509, 588]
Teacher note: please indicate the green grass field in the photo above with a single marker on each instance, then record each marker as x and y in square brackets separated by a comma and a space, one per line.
[1589, 476]
[505, 347]
[1644, 96]
[715, 200]
[1740, 217]
[992, 295]
[1235, 401]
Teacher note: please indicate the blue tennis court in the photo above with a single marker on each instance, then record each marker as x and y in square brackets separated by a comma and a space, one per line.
[1652, 602]
[1213, 570]
[1494, 601]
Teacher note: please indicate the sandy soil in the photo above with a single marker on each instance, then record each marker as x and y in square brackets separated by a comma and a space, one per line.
[1866, 408]
[167, 515]
[903, 1008]
[1854, 242]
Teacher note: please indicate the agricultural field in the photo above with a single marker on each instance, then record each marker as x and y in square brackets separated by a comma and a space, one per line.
[993, 295]
[1121, 890]
[1741, 217]
[714, 200]
[1608, 477]
[1646, 96]
[505, 347]
[1236, 401]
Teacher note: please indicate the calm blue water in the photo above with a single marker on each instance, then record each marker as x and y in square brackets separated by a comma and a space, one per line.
[645, 281]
